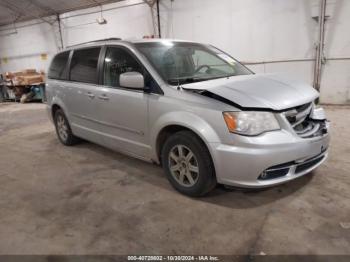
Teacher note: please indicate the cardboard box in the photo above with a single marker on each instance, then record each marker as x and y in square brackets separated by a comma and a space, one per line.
[34, 79]
[27, 80]
[29, 71]
[26, 77]
[18, 73]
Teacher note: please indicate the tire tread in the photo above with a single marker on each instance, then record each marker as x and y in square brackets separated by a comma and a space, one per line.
[208, 181]
[72, 139]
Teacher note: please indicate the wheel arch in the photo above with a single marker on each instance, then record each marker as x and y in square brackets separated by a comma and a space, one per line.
[57, 103]
[166, 126]
[54, 108]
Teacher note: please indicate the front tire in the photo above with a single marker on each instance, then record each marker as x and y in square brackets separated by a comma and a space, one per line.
[63, 130]
[188, 165]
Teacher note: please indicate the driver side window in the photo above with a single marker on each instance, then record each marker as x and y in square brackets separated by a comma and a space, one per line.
[118, 61]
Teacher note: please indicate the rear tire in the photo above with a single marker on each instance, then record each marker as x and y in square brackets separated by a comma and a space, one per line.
[188, 165]
[63, 130]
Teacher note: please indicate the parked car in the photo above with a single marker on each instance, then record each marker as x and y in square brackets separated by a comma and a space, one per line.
[190, 107]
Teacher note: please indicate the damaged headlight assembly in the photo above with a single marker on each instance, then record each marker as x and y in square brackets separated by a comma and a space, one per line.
[250, 123]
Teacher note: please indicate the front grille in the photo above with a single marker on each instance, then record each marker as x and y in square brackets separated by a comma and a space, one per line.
[303, 125]
[298, 115]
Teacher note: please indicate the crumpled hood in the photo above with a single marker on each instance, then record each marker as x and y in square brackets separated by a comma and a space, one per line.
[273, 91]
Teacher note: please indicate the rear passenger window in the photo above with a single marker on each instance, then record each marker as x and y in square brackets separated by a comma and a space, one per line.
[83, 66]
[58, 67]
[118, 61]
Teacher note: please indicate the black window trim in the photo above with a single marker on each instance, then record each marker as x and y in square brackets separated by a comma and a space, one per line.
[156, 90]
[100, 68]
[98, 65]
[66, 68]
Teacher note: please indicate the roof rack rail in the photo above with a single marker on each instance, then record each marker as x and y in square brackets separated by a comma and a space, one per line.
[94, 41]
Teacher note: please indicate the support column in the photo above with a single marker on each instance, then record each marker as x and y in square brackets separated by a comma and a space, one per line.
[154, 6]
[60, 31]
[319, 61]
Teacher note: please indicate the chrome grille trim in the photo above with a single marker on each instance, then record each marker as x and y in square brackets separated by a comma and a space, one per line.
[301, 116]
[301, 122]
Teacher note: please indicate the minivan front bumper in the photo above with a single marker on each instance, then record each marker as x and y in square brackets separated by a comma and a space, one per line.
[270, 159]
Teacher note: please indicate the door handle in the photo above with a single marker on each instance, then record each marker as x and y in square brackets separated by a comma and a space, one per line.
[90, 95]
[103, 97]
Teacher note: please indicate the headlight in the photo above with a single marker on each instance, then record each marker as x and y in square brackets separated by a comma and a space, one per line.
[250, 123]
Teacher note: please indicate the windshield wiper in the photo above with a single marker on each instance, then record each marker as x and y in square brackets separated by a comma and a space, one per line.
[188, 80]
[180, 80]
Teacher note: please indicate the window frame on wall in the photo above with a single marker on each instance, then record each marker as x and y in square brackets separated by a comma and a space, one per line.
[97, 80]
[155, 90]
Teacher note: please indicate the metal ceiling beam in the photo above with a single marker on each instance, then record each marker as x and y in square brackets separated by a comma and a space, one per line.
[23, 15]
[22, 12]
[48, 11]
[14, 12]
[94, 2]
[45, 8]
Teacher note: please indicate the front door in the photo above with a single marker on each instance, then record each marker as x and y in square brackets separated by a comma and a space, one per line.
[123, 112]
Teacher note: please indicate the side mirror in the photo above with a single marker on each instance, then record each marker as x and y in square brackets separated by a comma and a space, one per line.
[132, 80]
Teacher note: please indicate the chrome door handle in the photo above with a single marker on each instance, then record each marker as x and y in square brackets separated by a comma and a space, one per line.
[90, 95]
[103, 97]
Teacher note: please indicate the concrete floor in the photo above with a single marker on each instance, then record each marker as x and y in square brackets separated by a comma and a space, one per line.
[89, 200]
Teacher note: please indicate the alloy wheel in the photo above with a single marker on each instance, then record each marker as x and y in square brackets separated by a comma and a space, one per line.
[183, 165]
[62, 127]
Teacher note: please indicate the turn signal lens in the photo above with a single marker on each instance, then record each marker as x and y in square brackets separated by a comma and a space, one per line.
[231, 121]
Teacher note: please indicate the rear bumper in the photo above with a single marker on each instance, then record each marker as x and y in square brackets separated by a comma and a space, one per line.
[278, 154]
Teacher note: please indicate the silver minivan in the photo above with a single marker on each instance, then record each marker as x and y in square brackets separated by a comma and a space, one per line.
[190, 107]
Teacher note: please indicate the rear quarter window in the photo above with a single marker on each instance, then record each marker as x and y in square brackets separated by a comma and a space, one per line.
[58, 67]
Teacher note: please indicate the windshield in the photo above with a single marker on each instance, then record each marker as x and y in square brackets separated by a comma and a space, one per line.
[183, 62]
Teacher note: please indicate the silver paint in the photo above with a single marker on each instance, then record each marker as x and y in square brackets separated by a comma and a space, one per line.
[130, 120]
